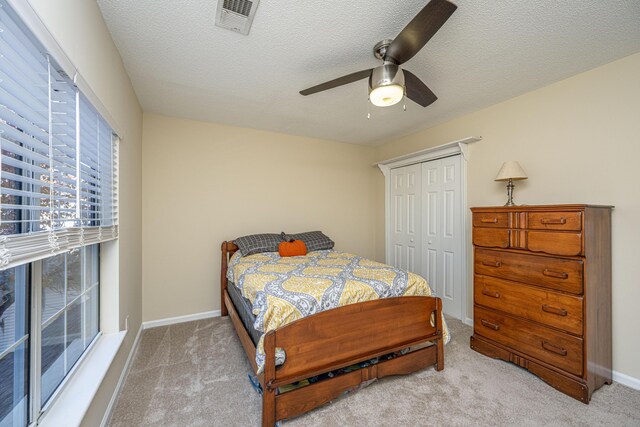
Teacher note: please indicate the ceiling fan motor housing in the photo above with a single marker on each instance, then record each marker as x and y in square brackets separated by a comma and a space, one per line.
[386, 75]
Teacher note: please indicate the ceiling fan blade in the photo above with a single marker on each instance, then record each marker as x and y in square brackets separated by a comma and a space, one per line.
[417, 91]
[340, 81]
[419, 31]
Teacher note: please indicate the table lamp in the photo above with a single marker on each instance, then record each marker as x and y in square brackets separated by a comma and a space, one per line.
[510, 171]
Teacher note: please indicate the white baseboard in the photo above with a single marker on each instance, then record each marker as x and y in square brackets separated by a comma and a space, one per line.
[125, 371]
[468, 321]
[627, 380]
[180, 319]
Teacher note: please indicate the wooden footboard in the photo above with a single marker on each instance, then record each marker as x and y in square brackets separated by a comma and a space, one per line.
[338, 338]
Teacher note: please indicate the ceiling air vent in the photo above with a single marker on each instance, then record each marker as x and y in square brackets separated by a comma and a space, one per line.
[236, 15]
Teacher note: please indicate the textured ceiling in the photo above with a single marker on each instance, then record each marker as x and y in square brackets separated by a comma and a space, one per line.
[182, 65]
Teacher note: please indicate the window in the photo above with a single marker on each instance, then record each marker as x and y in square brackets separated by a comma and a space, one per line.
[68, 322]
[69, 313]
[58, 202]
[58, 155]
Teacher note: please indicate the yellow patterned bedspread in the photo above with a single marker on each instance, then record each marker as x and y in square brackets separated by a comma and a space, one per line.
[283, 290]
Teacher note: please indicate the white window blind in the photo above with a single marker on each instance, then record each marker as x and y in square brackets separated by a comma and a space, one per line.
[58, 155]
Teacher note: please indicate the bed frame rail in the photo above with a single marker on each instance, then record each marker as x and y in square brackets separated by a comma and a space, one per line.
[299, 401]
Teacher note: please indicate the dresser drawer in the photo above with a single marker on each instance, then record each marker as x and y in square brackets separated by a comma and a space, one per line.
[555, 243]
[555, 273]
[491, 219]
[556, 348]
[491, 238]
[568, 221]
[552, 308]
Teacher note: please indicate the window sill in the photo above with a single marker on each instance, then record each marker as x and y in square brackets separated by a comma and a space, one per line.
[74, 400]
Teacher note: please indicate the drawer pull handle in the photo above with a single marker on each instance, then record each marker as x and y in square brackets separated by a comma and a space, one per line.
[554, 310]
[555, 274]
[488, 324]
[491, 294]
[495, 264]
[554, 348]
[489, 220]
[561, 220]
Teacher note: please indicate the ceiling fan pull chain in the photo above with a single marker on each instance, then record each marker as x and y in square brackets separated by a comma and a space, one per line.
[404, 98]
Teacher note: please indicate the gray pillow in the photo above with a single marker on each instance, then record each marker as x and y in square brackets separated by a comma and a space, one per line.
[258, 243]
[314, 240]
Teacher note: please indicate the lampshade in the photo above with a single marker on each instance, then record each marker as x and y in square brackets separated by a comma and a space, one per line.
[511, 170]
[386, 85]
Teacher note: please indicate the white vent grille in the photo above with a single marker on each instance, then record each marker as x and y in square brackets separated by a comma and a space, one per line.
[242, 7]
[236, 15]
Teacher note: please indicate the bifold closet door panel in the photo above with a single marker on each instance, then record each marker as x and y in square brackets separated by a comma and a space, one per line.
[442, 231]
[406, 224]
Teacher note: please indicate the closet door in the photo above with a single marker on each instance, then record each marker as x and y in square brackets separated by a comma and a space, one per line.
[406, 218]
[442, 231]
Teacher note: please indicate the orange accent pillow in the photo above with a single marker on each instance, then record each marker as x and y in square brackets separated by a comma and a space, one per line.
[292, 248]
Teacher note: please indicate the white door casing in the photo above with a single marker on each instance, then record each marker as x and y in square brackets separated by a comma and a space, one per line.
[405, 218]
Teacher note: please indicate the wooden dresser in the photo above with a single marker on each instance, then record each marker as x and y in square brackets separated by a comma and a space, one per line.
[542, 292]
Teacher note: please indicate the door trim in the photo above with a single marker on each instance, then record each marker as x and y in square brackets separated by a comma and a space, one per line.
[459, 147]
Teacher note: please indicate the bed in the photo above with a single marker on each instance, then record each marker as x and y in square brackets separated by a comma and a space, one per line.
[403, 334]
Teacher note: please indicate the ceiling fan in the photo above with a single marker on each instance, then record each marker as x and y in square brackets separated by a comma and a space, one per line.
[388, 83]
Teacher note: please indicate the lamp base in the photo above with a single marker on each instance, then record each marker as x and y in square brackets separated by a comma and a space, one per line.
[510, 188]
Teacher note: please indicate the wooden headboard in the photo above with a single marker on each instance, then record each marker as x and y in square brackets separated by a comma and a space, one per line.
[228, 249]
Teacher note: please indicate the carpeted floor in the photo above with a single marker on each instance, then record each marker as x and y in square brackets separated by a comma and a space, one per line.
[195, 374]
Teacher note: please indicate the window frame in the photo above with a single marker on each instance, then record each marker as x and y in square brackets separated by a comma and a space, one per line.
[23, 271]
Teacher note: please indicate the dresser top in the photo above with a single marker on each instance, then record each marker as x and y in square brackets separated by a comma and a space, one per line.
[574, 207]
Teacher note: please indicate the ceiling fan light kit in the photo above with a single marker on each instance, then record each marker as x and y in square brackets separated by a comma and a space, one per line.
[388, 83]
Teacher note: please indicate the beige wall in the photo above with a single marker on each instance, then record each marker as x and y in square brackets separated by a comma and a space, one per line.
[79, 28]
[206, 183]
[577, 139]
[579, 142]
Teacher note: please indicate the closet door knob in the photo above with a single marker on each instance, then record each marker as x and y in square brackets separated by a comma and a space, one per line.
[411, 240]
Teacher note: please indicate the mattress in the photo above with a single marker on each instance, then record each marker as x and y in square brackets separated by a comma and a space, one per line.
[243, 307]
